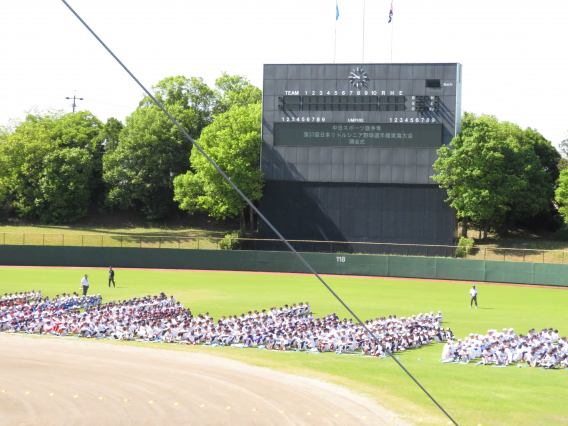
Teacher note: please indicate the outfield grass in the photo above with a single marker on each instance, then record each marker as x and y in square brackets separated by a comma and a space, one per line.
[473, 395]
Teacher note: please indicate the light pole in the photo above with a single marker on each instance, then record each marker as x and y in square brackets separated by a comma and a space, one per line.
[75, 98]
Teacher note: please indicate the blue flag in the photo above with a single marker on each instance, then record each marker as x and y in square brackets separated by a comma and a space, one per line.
[390, 14]
[336, 11]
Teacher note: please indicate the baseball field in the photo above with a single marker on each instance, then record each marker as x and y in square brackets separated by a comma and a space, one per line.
[472, 395]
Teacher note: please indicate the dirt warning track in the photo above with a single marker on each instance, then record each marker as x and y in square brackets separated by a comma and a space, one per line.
[52, 381]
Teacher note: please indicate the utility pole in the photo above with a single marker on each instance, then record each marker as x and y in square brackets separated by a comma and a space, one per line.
[75, 98]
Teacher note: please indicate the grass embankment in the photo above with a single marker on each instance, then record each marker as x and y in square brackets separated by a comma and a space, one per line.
[120, 230]
[473, 395]
[519, 246]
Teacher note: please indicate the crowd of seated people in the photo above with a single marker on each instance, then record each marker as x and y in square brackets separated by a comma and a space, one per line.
[36, 300]
[543, 349]
[162, 319]
[330, 333]
[83, 316]
[290, 328]
[21, 297]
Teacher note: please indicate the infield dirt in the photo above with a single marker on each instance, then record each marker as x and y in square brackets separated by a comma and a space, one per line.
[60, 381]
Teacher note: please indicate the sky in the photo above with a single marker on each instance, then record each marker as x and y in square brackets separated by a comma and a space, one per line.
[514, 53]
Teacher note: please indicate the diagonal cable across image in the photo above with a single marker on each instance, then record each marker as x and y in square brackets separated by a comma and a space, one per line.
[261, 216]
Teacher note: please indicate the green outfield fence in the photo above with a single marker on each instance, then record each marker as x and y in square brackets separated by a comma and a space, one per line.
[206, 243]
[278, 261]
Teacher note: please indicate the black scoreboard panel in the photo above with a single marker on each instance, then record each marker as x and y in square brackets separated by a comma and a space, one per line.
[329, 103]
[333, 130]
[402, 135]
[358, 103]
[358, 212]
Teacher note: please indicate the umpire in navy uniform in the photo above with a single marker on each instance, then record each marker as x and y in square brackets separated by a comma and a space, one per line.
[111, 277]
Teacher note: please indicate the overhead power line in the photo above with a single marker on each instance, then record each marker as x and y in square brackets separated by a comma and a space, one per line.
[114, 105]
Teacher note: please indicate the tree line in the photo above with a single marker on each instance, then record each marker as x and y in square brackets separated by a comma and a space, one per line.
[56, 167]
[499, 175]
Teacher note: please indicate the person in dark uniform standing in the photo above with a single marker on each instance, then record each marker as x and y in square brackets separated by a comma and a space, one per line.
[111, 277]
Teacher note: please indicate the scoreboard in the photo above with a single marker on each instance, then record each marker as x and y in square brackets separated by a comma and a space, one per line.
[375, 128]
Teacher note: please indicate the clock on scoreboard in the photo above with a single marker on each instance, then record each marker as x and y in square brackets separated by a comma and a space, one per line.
[359, 78]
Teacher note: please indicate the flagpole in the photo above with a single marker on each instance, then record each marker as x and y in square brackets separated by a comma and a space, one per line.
[392, 27]
[335, 44]
[363, 53]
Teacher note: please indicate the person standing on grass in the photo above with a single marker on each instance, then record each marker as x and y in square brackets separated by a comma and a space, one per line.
[473, 293]
[85, 284]
[111, 277]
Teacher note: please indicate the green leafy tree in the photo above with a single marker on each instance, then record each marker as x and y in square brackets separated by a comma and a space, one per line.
[64, 192]
[38, 116]
[563, 146]
[562, 195]
[235, 90]
[78, 130]
[532, 161]
[85, 131]
[110, 133]
[489, 173]
[24, 149]
[150, 154]
[563, 161]
[4, 206]
[471, 171]
[194, 94]
[531, 187]
[190, 94]
[21, 165]
[233, 142]
[545, 151]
